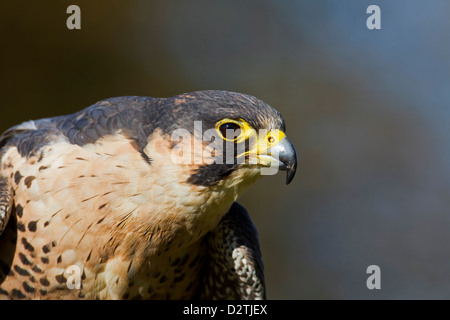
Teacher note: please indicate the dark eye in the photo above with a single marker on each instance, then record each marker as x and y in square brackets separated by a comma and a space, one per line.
[230, 130]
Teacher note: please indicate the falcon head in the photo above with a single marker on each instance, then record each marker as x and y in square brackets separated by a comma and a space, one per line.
[225, 136]
[202, 138]
[195, 152]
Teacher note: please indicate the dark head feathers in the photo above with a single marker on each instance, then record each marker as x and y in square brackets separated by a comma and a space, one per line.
[138, 117]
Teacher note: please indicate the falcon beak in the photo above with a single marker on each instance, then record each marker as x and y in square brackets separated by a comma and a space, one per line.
[284, 153]
[273, 149]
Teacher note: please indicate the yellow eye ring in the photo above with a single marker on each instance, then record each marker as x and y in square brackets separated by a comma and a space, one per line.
[229, 129]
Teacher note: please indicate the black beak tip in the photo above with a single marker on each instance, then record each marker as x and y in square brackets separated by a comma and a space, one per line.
[290, 173]
[289, 159]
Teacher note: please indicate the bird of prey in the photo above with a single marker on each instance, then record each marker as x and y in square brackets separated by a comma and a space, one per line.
[94, 205]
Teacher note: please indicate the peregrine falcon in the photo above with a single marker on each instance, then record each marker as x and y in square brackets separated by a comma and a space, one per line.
[130, 198]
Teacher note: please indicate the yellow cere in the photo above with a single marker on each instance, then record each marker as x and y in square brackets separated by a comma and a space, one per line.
[264, 140]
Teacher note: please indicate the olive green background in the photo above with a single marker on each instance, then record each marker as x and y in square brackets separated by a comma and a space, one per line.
[368, 111]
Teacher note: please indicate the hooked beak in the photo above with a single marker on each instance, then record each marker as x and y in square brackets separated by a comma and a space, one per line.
[284, 153]
[280, 154]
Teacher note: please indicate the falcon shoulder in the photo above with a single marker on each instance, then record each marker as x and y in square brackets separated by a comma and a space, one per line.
[27, 138]
[5, 202]
[86, 126]
[6, 187]
[234, 269]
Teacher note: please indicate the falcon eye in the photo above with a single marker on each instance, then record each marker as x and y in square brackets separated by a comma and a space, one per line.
[271, 139]
[230, 130]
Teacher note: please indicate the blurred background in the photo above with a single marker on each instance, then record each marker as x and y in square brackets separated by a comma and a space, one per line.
[368, 111]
